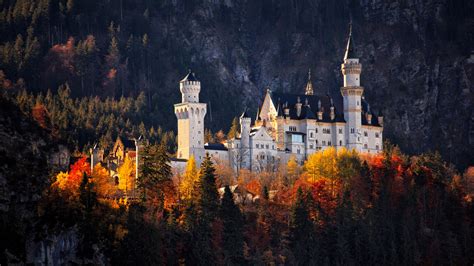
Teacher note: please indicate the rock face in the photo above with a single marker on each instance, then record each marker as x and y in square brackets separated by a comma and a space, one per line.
[24, 173]
[416, 61]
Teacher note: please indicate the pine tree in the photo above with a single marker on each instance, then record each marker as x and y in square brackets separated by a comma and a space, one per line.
[155, 171]
[301, 231]
[209, 199]
[232, 238]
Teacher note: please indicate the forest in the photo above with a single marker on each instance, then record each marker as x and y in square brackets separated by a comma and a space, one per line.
[339, 208]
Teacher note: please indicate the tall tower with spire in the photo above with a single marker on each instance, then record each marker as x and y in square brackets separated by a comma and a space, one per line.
[352, 95]
[309, 86]
[190, 113]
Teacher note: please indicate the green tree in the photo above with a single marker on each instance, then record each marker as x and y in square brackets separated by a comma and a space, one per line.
[301, 230]
[232, 237]
[155, 171]
[209, 198]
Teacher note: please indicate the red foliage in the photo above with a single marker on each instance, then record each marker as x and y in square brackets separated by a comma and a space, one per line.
[60, 62]
[78, 169]
[41, 116]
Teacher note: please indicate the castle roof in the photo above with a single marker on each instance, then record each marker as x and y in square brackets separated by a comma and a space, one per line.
[189, 77]
[245, 114]
[215, 146]
[350, 52]
[309, 108]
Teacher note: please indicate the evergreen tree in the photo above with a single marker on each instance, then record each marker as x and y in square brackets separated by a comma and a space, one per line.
[209, 198]
[232, 238]
[301, 231]
[155, 171]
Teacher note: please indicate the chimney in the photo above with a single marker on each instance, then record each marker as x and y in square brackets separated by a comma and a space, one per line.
[380, 120]
[298, 107]
[286, 110]
[369, 118]
[320, 111]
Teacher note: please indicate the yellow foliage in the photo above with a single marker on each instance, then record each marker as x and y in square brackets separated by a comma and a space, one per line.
[126, 174]
[292, 169]
[64, 184]
[322, 164]
[190, 180]
[104, 185]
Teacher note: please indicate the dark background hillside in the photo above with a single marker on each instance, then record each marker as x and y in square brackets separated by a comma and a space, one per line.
[416, 61]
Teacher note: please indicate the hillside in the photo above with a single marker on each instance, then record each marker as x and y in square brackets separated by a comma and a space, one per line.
[415, 56]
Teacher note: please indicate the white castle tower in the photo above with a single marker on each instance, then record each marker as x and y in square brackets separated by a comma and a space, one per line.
[245, 122]
[352, 94]
[190, 113]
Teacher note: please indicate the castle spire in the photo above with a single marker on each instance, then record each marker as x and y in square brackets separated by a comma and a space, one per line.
[350, 53]
[309, 86]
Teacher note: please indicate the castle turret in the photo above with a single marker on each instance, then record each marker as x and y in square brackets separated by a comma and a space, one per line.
[298, 106]
[190, 113]
[245, 122]
[309, 85]
[190, 88]
[352, 93]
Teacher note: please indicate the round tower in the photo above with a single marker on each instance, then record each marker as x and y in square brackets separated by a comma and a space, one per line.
[190, 113]
[190, 88]
[352, 95]
[245, 122]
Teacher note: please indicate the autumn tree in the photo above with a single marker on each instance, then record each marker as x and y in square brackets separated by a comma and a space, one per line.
[188, 187]
[293, 171]
[234, 129]
[104, 186]
[127, 176]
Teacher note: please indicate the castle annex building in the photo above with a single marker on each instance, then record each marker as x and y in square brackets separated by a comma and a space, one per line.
[286, 124]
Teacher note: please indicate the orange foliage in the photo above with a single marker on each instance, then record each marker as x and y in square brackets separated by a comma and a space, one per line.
[254, 187]
[70, 182]
[322, 194]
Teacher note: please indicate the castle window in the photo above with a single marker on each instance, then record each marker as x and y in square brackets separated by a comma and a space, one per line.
[376, 134]
[357, 103]
[329, 143]
[199, 122]
[316, 142]
[365, 133]
[352, 130]
[365, 146]
[340, 131]
[311, 135]
[340, 143]
[324, 143]
[298, 151]
[316, 130]
[377, 147]
[267, 146]
[273, 147]
[310, 146]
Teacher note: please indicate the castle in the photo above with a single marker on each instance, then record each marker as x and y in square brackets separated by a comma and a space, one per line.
[286, 124]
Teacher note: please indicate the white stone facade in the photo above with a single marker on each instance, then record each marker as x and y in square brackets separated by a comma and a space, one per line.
[286, 124]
